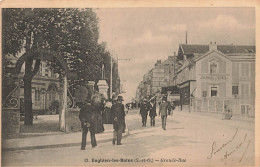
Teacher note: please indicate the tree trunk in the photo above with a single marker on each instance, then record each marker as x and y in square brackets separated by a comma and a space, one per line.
[28, 101]
[27, 79]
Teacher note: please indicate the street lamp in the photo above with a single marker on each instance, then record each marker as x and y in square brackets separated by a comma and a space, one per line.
[111, 67]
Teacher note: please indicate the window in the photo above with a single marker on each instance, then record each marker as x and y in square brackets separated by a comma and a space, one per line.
[213, 68]
[50, 98]
[244, 88]
[204, 93]
[46, 72]
[234, 90]
[245, 72]
[214, 91]
[40, 70]
[244, 109]
[37, 95]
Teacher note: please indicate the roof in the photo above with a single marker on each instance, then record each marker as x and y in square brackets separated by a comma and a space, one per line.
[190, 49]
[226, 49]
[198, 50]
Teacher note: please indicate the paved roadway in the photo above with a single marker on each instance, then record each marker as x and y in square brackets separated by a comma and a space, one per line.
[190, 139]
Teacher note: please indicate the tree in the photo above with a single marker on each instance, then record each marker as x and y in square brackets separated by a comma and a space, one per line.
[68, 33]
[103, 58]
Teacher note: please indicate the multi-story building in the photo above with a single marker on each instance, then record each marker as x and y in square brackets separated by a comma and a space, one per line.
[214, 76]
[161, 75]
[45, 85]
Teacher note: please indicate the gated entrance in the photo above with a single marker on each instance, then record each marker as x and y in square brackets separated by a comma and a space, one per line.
[11, 104]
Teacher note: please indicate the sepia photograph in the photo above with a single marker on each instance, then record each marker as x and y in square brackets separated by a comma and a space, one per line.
[128, 85]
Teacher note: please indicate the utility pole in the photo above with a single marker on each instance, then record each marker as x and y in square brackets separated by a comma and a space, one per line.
[111, 76]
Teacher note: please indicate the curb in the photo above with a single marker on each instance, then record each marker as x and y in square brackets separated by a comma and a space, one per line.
[60, 145]
[215, 115]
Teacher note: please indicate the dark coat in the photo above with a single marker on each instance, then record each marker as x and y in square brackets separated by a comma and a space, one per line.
[152, 110]
[118, 114]
[163, 108]
[88, 115]
[144, 109]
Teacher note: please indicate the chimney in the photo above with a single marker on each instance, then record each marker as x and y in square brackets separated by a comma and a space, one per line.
[213, 46]
[174, 54]
[158, 62]
[170, 57]
[185, 57]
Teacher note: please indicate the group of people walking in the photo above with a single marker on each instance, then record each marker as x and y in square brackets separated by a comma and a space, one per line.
[91, 119]
[148, 107]
[165, 108]
[91, 116]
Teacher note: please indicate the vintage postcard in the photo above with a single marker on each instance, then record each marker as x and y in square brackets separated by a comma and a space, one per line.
[129, 83]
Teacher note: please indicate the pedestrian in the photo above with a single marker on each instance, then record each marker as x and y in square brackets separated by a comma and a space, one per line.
[144, 112]
[152, 112]
[118, 115]
[172, 107]
[227, 112]
[97, 101]
[127, 108]
[107, 110]
[163, 112]
[169, 108]
[88, 121]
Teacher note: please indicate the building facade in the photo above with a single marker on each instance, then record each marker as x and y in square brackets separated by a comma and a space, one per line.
[214, 76]
[161, 75]
[45, 85]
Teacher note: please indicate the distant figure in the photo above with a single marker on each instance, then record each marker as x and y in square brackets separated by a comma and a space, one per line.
[169, 108]
[227, 112]
[144, 112]
[152, 113]
[118, 115]
[163, 112]
[127, 107]
[172, 107]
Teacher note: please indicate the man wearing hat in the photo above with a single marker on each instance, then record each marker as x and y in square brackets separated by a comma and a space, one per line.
[118, 117]
[163, 112]
[87, 117]
[144, 112]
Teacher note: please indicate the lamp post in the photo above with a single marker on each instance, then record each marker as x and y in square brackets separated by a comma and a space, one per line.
[111, 76]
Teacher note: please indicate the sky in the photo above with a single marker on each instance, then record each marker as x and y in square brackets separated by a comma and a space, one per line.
[146, 35]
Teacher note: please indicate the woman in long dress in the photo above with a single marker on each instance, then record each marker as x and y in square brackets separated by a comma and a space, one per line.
[97, 102]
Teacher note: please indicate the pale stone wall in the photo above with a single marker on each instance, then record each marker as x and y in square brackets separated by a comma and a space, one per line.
[11, 122]
[72, 120]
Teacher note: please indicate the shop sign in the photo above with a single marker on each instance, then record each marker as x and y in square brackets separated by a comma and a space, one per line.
[213, 77]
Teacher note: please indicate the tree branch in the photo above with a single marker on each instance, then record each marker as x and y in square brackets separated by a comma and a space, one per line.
[28, 41]
[36, 67]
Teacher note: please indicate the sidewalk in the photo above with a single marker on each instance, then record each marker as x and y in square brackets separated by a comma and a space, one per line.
[215, 115]
[57, 140]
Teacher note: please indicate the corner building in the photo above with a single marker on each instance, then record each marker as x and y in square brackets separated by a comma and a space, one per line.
[212, 76]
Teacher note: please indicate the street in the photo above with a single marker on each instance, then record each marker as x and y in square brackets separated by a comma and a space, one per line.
[189, 139]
